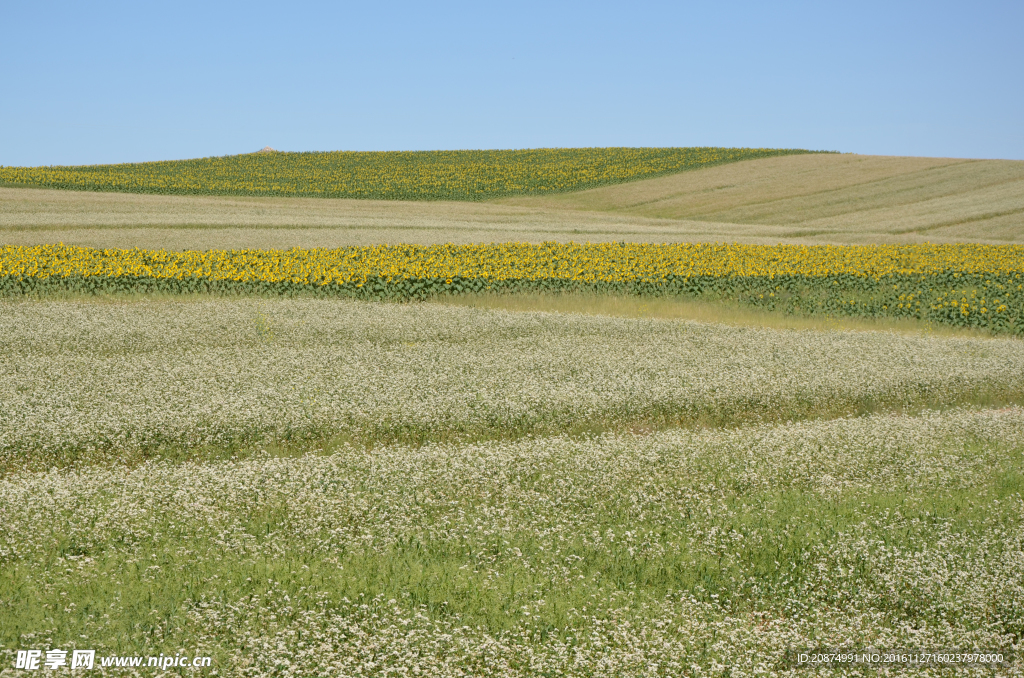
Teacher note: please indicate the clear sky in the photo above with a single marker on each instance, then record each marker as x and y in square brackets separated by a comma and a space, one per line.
[99, 82]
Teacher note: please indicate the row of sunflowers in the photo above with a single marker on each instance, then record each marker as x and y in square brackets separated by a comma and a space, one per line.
[960, 284]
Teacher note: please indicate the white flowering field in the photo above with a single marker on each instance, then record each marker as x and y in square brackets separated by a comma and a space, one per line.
[89, 381]
[324, 488]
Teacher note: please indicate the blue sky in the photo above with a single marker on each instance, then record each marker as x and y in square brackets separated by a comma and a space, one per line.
[103, 82]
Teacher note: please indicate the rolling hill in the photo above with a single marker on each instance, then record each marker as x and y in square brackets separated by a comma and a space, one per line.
[810, 198]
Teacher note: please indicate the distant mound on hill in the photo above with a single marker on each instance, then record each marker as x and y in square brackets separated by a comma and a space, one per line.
[389, 175]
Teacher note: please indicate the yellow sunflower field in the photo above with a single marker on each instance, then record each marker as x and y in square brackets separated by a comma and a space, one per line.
[963, 285]
[387, 175]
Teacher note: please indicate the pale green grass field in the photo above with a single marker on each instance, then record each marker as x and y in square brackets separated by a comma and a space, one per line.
[681, 308]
